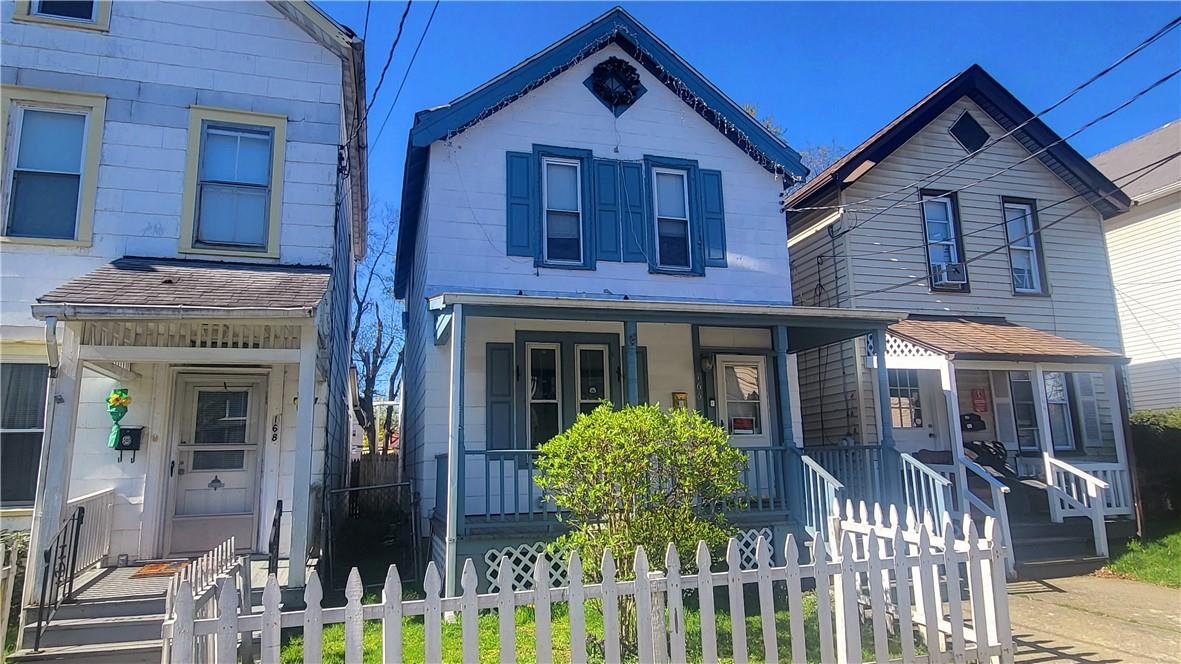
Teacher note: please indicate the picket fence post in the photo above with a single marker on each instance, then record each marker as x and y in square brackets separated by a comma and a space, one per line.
[795, 601]
[270, 622]
[506, 612]
[543, 629]
[391, 617]
[577, 610]
[705, 599]
[676, 605]
[610, 610]
[313, 626]
[433, 613]
[766, 600]
[354, 623]
[643, 595]
[737, 602]
[823, 604]
[469, 613]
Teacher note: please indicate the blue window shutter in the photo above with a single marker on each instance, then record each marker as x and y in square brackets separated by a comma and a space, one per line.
[713, 217]
[521, 219]
[500, 374]
[634, 228]
[607, 209]
[642, 373]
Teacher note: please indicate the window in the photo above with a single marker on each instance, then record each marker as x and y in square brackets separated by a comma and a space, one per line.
[905, 408]
[22, 415]
[84, 14]
[233, 185]
[1024, 410]
[562, 221]
[672, 218]
[543, 393]
[221, 417]
[944, 251]
[1024, 246]
[52, 146]
[968, 133]
[591, 368]
[743, 399]
[1058, 410]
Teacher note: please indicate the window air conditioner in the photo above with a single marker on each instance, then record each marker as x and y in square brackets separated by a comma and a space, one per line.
[950, 274]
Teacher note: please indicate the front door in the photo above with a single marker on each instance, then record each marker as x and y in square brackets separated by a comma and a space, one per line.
[917, 410]
[213, 470]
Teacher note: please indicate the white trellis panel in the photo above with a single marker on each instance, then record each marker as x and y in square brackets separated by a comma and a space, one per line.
[522, 560]
[748, 546]
[896, 347]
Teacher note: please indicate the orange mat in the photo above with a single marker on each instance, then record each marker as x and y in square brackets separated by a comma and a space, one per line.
[152, 570]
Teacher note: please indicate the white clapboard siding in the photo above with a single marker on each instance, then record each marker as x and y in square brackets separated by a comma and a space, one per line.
[880, 579]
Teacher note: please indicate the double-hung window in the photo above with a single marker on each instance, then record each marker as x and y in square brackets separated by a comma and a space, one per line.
[671, 202]
[1024, 246]
[233, 185]
[562, 219]
[22, 415]
[944, 250]
[51, 156]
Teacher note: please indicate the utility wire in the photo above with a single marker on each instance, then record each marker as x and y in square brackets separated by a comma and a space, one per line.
[1124, 296]
[365, 30]
[1079, 88]
[381, 77]
[1150, 168]
[405, 75]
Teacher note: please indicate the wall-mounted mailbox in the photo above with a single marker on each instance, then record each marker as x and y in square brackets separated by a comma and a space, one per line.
[130, 439]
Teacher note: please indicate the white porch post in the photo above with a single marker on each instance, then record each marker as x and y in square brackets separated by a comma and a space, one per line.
[455, 454]
[57, 452]
[302, 479]
[891, 462]
[951, 393]
[1045, 435]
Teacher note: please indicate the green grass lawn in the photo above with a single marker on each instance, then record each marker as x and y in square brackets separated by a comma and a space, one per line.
[413, 636]
[1156, 561]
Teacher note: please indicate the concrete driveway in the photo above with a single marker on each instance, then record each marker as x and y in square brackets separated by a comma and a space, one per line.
[1095, 619]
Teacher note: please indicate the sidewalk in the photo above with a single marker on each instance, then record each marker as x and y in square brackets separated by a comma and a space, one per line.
[1095, 619]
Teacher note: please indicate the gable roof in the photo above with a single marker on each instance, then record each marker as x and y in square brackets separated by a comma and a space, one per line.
[616, 26]
[1005, 109]
[1138, 153]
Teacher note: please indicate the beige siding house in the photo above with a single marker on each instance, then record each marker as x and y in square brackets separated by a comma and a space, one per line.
[1144, 246]
[987, 228]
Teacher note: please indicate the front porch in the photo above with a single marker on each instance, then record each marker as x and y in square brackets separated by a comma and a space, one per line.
[521, 369]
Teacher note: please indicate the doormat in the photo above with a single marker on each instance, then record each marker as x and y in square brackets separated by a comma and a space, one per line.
[153, 570]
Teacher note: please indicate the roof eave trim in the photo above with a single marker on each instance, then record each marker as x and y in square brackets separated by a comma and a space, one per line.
[1037, 357]
[81, 311]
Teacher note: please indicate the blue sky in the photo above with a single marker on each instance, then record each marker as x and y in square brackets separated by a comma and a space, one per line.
[827, 72]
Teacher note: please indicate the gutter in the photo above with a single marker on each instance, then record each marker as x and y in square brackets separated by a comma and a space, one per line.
[69, 311]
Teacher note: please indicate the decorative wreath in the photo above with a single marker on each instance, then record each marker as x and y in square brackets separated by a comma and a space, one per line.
[616, 82]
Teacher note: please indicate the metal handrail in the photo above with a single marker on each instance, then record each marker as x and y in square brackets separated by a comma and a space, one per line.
[273, 544]
[57, 578]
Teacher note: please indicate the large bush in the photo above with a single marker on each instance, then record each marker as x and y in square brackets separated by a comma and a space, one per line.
[1156, 440]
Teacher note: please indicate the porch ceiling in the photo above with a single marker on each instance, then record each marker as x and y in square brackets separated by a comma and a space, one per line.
[983, 338]
[808, 327]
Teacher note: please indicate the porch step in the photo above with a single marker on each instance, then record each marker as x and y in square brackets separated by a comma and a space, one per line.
[96, 631]
[1040, 548]
[125, 652]
[136, 606]
[1056, 568]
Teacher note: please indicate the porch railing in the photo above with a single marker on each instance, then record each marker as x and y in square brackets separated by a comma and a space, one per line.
[509, 485]
[1073, 490]
[94, 540]
[766, 480]
[965, 499]
[204, 578]
[858, 467]
[822, 492]
[1117, 497]
[923, 489]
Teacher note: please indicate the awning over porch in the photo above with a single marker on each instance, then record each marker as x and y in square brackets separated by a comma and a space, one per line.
[993, 338]
[170, 287]
[809, 327]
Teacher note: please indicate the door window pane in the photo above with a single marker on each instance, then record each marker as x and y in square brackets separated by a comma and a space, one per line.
[743, 393]
[221, 417]
[47, 175]
[543, 393]
[543, 422]
[592, 377]
[905, 408]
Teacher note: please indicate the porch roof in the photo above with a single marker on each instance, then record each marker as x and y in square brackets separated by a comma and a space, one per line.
[171, 287]
[990, 338]
[809, 327]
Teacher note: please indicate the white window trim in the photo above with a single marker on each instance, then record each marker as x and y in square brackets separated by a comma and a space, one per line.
[529, 400]
[1029, 377]
[606, 351]
[684, 175]
[545, 209]
[1032, 249]
[746, 439]
[953, 237]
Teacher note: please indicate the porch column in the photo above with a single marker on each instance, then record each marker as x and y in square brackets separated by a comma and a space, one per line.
[57, 450]
[455, 453]
[630, 339]
[794, 472]
[301, 488]
[951, 393]
[891, 463]
[1045, 434]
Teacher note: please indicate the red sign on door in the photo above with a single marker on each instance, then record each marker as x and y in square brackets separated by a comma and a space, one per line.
[979, 400]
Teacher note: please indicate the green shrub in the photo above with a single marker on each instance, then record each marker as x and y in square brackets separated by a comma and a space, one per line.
[1156, 442]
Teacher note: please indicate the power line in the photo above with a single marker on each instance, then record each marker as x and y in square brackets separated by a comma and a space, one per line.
[1136, 319]
[1011, 241]
[381, 77]
[405, 75]
[1139, 47]
[365, 30]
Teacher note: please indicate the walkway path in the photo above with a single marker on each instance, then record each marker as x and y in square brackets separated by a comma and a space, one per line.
[1095, 619]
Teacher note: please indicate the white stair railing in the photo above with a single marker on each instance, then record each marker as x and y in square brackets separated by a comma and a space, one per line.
[997, 507]
[94, 540]
[923, 489]
[1073, 489]
[821, 492]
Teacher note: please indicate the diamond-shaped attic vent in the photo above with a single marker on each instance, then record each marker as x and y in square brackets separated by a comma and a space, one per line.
[616, 84]
[968, 132]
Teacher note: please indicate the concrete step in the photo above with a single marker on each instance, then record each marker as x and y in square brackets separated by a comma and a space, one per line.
[1056, 568]
[137, 606]
[126, 652]
[1053, 547]
[1022, 530]
[90, 631]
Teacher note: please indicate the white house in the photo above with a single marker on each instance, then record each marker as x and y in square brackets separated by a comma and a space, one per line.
[599, 222]
[183, 203]
[977, 219]
[1144, 246]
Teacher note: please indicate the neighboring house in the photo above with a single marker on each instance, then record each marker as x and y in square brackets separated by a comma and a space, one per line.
[1013, 334]
[1144, 246]
[181, 220]
[598, 223]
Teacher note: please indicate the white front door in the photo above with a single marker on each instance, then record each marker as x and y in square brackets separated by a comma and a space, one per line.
[917, 410]
[214, 467]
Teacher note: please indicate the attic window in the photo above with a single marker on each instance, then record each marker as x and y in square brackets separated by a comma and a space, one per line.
[615, 83]
[968, 132]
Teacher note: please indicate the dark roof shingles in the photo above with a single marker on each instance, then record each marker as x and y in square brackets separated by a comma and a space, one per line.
[164, 282]
[976, 337]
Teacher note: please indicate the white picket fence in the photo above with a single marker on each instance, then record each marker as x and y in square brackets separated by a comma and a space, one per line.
[883, 584]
